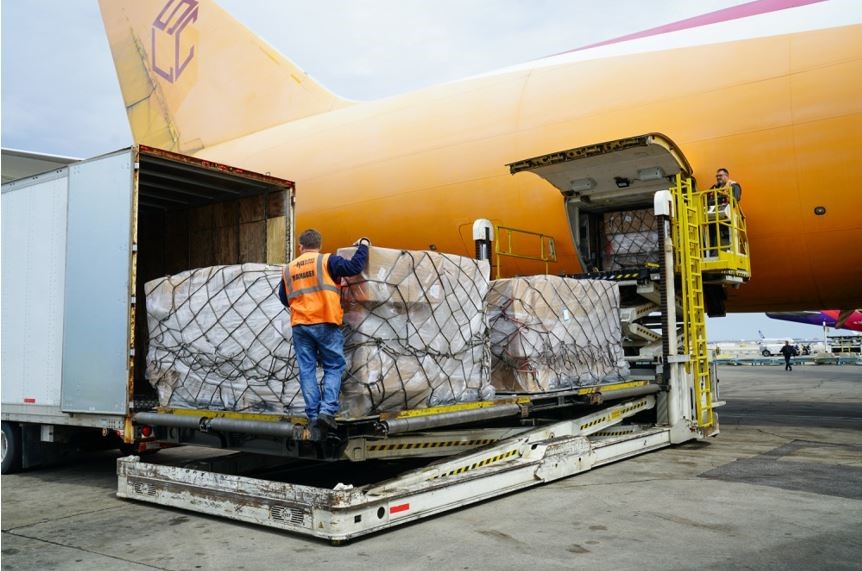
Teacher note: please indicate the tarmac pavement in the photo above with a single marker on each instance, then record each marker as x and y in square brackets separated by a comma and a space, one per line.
[779, 488]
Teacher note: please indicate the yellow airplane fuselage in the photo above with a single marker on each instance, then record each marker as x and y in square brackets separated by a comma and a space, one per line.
[783, 113]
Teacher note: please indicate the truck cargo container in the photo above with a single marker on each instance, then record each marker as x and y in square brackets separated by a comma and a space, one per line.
[78, 244]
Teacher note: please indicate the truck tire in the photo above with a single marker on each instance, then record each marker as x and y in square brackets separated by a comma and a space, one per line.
[766, 353]
[11, 448]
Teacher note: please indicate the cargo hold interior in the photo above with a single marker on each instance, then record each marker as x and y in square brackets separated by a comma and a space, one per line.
[192, 215]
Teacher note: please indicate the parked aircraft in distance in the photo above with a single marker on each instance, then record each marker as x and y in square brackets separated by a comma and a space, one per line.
[770, 89]
[837, 319]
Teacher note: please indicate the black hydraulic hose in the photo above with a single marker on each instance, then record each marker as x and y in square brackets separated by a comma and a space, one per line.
[666, 273]
[256, 427]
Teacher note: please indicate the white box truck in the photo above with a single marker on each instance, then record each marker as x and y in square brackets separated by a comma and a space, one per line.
[78, 243]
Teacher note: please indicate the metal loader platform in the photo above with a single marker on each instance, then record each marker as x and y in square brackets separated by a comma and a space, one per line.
[533, 457]
[437, 431]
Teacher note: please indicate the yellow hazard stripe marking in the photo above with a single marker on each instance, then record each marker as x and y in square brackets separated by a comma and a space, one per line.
[613, 415]
[479, 464]
[615, 433]
[611, 387]
[437, 444]
[234, 415]
[458, 407]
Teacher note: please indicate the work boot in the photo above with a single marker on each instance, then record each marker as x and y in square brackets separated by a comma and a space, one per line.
[326, 423]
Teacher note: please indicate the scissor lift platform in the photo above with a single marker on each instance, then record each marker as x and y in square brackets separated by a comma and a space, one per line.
[436, 431]
[534, 456]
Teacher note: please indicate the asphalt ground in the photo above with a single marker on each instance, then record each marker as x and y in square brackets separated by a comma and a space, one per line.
[779, 488]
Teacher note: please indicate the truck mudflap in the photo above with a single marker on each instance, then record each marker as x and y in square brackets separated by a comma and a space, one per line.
[344, 512]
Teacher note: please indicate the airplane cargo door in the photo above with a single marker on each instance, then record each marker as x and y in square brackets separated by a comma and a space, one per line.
[607, 191]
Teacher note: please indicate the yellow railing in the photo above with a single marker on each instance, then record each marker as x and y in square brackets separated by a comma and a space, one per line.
[724, 233]
[687, 237]
[503, 247]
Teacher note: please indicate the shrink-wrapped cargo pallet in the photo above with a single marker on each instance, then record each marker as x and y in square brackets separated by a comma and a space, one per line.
[631, 239]
[415, 331]
[550, 333]
[219, 339]
[415, 336]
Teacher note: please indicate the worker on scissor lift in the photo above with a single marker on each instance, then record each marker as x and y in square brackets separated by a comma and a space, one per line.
[723, 182]
[723, 188]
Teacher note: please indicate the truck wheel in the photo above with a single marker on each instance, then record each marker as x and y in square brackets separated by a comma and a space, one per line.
[765, 353]
[11, 448]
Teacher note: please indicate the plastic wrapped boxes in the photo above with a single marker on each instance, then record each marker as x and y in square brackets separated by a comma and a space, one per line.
[415, 336]
[550, 333]
[415, 331]
[631, 239]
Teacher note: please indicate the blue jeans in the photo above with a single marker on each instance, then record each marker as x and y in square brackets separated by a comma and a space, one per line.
[323, 341]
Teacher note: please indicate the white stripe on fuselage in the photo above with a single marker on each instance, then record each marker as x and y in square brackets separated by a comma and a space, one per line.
[829, 14]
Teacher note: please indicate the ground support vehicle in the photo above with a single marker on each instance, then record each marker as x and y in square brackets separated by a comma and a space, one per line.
[845, 344]
[78, 245]
[490, 448]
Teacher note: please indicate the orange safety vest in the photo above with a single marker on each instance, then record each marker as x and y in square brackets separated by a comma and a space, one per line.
[312, 294]
[722, 199]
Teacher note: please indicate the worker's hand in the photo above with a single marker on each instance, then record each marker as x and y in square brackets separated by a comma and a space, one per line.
[363, 242]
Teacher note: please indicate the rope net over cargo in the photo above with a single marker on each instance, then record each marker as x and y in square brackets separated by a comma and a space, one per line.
[414, 326]
[630, 239]
[219, 339]
[416, 331]
[550, 333]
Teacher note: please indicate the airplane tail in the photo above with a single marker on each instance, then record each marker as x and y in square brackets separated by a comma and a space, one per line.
[192, 76]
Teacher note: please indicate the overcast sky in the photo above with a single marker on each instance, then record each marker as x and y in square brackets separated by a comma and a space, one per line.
[60, 93]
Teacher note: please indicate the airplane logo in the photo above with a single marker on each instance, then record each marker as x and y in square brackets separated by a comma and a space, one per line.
[167, 43]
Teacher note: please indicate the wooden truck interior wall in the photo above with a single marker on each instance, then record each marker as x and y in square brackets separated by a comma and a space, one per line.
[189, 218]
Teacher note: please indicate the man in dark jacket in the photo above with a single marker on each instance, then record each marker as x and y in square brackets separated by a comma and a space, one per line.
[788, 351]
[310, 288]
[724, 188]
[723, 182]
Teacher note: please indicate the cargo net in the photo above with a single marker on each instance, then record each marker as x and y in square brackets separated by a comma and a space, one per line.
[551, 333]
[415, 336]
[219, 339]
[630, 239]
[416, 333]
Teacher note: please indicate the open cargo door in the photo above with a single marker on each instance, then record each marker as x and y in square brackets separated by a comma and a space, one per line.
[602, 179]
[96, 296]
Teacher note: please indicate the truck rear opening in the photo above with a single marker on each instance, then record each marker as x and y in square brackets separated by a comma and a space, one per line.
[194, 213]
[78, 244]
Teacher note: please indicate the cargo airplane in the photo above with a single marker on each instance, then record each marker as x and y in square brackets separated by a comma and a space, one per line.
[771, 89]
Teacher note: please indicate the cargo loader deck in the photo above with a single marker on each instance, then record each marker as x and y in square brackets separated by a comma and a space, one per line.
[535, 456]
[437, 431]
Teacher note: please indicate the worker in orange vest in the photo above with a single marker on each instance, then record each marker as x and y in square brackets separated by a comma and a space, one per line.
[310, 288]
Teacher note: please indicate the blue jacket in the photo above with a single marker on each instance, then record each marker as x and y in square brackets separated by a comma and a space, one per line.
[338, 268]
